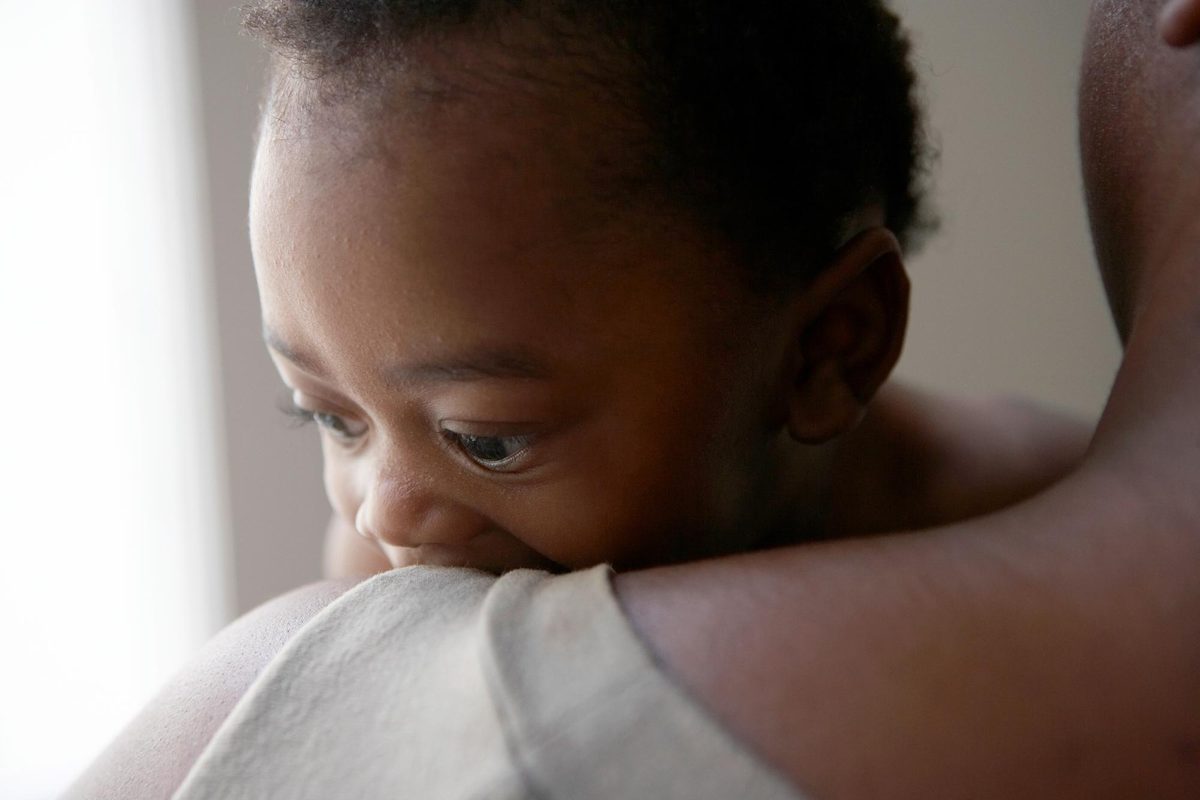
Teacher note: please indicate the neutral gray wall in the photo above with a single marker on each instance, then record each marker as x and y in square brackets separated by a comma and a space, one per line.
[1005, 298]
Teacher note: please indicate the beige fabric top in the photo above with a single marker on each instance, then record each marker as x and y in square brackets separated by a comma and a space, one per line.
[437, 683]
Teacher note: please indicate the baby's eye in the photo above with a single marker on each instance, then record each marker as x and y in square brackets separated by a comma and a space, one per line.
[498, 453]
[340, 428]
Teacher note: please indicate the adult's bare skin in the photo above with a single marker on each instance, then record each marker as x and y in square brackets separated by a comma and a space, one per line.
[1050, 650]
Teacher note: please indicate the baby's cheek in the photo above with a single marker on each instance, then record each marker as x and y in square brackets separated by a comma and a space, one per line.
[591, 534]
[568, 524]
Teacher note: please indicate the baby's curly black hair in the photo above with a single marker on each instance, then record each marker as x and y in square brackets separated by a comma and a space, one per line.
[775, 122]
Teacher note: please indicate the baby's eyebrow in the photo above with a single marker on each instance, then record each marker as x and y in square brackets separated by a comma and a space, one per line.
[484, 364]
[475, 365]
[306, 362]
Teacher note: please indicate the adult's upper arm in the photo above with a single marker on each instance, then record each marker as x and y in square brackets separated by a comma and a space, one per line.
[972, 662]
[153, 754]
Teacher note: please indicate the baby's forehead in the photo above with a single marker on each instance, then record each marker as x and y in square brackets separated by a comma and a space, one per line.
[535, 130]
[429, 250]
[480, 194]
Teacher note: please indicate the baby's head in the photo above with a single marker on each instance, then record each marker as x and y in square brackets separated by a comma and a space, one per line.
[566, 282]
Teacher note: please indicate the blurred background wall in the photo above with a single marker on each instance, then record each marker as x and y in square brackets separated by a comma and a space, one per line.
[1005, 300]
[1005, 296]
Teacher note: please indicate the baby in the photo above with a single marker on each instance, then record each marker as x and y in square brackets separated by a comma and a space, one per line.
[568, 282]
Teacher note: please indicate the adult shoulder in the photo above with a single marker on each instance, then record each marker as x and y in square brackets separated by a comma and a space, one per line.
[153, 754]
[1020, 655]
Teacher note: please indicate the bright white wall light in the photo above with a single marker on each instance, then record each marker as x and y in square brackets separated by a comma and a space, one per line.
[114, 530]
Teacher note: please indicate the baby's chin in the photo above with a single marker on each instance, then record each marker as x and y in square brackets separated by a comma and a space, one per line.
[483, 553]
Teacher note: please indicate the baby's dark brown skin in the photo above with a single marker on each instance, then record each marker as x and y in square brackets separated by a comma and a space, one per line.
[509, 371]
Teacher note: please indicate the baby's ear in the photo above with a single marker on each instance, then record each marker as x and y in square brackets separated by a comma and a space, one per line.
[849, 327]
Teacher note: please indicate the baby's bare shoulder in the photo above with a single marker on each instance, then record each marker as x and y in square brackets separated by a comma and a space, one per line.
[981, 454]
[152, 756]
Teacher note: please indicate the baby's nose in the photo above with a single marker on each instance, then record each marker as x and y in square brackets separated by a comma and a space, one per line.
[407, 515]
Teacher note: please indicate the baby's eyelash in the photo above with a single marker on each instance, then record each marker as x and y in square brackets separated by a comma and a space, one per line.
[298, 416]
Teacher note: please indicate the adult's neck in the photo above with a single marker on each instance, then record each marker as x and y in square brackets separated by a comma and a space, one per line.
[1150, 426]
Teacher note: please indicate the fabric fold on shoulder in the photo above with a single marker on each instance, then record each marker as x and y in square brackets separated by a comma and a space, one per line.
[378, 696]
[452, 684]
[587, 713]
